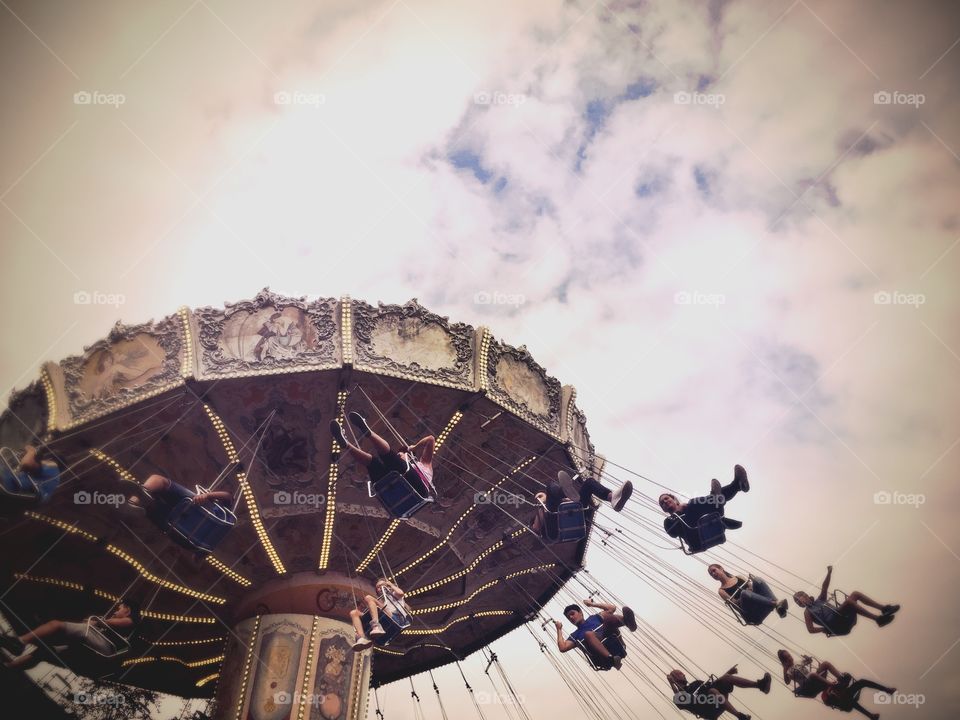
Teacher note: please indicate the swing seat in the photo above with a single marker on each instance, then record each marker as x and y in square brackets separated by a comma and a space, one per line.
[98, 628]
[614, 645]
[393, 619]
[570, 523]
[738, 614]
[19, 487]
[200, 527]
[397, 495]
[837, 598]
[710, 532]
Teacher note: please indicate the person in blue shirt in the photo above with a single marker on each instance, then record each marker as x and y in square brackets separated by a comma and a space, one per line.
[592, 630]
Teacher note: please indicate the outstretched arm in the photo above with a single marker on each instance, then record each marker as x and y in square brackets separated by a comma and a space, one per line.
[826, 584]
[29, 462]
[562, 643]
[606, 607]
[425, 448]
[214, 495]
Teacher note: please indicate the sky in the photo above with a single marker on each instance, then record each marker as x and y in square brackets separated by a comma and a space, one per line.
[732, 225]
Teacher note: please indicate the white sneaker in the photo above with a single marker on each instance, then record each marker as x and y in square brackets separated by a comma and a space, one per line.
[377, 629]
[619, 497]
[361, 643]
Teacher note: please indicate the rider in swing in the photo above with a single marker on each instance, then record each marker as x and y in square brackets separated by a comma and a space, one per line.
[593, 629]
[414, 462]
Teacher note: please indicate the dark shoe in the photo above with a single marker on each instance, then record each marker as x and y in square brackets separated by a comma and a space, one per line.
[359, 423]
[782, 608]
[763, 684]
[11, 644]
[715, 488]
[890, 609]
[619, 498]
[337, 431]
[884, 620]
[740, 476]
[616, 661]
[629, 619]
[731, 524]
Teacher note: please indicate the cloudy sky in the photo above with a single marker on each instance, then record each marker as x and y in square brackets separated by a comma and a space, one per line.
[733, 225]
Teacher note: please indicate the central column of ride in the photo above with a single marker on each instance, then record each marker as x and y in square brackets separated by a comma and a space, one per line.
[290, 653]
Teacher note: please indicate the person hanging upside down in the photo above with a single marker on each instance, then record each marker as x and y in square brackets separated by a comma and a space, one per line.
[822, 616]
[684, 516]
[565, 487]
[163, 495]
[414, 462]
[751, 595]
[710, 699]
[22, 651]
[808, 682]
[593, 629]
[395, 607]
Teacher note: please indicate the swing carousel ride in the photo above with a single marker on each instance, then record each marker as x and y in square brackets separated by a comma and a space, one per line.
[246, 598]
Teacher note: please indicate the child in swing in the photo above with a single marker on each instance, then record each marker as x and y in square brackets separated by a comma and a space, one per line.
[395, 607]
[163, 495]
[414, 462]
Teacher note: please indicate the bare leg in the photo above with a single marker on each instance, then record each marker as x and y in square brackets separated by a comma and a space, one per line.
[52, 629]
[740, 682]
[374, 608]
[858, 596]
[852, 604]
[593, 644]
[612, 619]
[381, 445]
[155, 483]
[361, 456]
[357, 625]
[828, 667]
